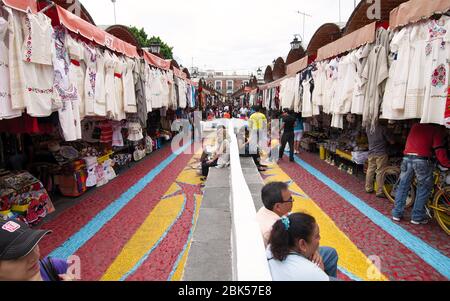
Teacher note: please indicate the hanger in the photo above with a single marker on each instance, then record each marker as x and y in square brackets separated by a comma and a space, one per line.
[50, 5]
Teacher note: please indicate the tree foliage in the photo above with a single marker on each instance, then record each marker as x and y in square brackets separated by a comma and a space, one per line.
[145, 41]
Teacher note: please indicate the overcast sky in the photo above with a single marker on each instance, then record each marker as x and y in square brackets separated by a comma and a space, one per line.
[230, 35]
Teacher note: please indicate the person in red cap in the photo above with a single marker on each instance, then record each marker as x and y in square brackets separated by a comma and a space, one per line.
[20, 256]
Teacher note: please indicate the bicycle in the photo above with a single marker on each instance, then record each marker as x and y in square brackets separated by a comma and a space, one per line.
[438, 206]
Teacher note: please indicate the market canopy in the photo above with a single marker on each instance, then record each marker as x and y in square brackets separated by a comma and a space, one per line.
[93, 33]
[416, 10]
[156, 61]
[367, 12]
[22, 5]
[178, 73]
[275, 83]
[325, 34]
[349, 42]
[297, 66]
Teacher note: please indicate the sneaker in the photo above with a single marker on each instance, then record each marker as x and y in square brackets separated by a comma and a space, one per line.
[396, 219]
[425, 221]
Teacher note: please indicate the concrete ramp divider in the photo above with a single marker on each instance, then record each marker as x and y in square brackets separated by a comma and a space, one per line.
[249, 256]
[227, 244]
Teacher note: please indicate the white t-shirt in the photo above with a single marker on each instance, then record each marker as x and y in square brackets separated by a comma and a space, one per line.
[243, 111]
[295, 268]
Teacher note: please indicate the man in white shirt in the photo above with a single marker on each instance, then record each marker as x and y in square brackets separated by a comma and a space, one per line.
[278, 202]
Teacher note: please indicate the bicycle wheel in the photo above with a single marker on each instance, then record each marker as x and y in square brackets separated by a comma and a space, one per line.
[441, 208]
[391, 178]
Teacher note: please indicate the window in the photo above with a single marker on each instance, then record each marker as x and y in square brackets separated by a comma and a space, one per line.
[230, 85]
[218, 85]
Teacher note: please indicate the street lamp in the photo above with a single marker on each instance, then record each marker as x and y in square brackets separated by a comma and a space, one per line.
[259, 72]
[296, 43]
[155, 48]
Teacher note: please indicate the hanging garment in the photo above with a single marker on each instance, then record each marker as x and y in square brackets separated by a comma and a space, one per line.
[100, 175]
[6, 110]
[91, 166]
[139, 84]
[110, 174]
[307, 109]
[37, 51]
[376, 73]
[347, 79]
[90, 58]
[415, 92]
[437, 53]
[100, 93]
[110, 90]
[148, 92]
[16, 64]
[359, 92]
[117, 138]
[65, 92]
[119, 69]
[330, 85]
[77, 70]
[135, 131]
[129, 87]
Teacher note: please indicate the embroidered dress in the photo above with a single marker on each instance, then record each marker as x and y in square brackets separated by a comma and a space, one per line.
[129, 87]
[119, 68]
[110, 91]
[90, 57]
[6, 110]
[16, 64]
[65, 92]
[37, 51]
[76, 70]
[437, 51]
[100, 94]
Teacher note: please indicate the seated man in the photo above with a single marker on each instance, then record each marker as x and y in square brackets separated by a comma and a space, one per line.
[221, 156]
[278, 201]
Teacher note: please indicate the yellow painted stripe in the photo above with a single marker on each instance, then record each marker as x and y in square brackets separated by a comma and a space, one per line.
[179, 272]
[350, 257]
[156, 224]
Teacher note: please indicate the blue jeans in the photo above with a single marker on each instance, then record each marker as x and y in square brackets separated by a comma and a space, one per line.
[423, 170]
[330, 260]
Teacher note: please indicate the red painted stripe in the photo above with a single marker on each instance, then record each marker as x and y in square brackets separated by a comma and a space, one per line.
[432, 233]
[159, 264]
[73, 219]
[100, 252]
[366, 235]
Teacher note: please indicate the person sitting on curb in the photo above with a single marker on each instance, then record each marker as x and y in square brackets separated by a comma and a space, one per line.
[221, 156]
[294, 240]
[20, 255]
[278, 202]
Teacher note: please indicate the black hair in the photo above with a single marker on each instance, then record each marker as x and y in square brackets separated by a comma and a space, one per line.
[281, 241]
[271, 194]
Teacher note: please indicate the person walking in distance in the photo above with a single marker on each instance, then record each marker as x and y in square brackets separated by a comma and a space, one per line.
[288, 134]
[378, 158]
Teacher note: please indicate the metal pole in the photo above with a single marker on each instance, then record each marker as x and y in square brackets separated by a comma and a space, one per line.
[114, 4]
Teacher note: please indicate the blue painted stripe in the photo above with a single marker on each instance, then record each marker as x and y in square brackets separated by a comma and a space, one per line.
[349, 274]
[146, 255]
[76, 241]
[191, 233]
[429, 254]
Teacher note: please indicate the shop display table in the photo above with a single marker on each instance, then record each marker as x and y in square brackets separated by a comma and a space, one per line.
[24, 197]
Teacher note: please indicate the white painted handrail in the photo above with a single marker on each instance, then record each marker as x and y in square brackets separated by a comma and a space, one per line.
[249, 256]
